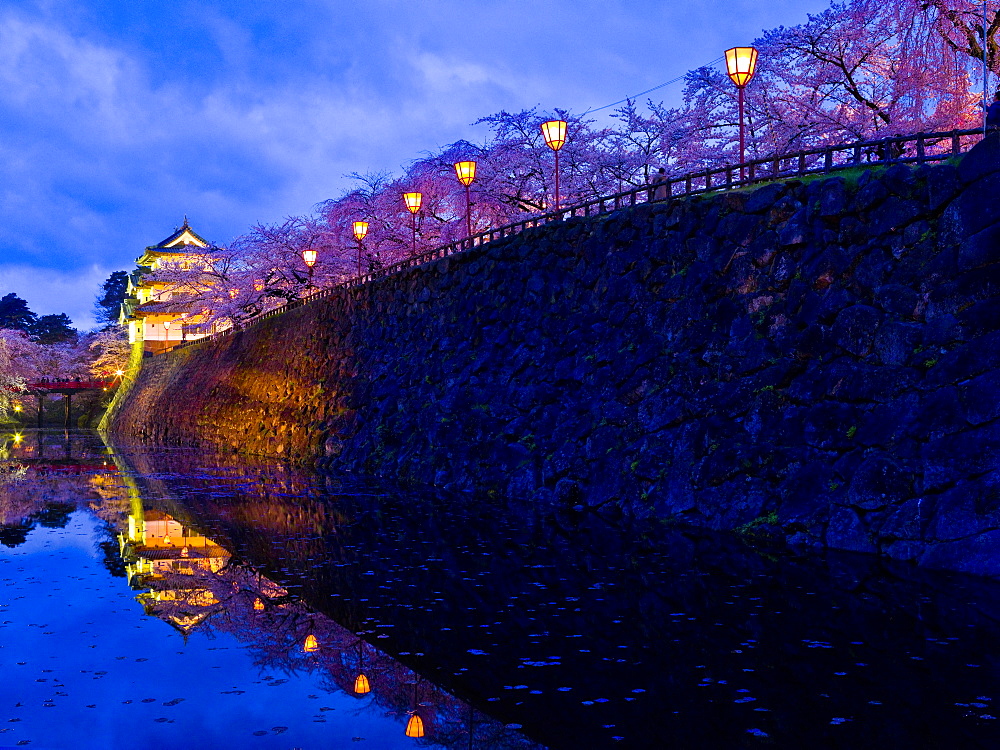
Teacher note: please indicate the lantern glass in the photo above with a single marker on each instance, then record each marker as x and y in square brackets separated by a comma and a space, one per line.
[465, 171]
[258, 605]
[415, 726]
[413, 201]
[311, 644]
[741, 63]
[360, 229]
[309, 256]
[362, 685]
[554, 132]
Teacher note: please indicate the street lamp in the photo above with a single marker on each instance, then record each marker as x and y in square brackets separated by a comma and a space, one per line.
[309, 257]
[360, 229]
[413, 201]
[362, 686]
[554, 132]
[466, 173]
[166, 330]
[741, 62]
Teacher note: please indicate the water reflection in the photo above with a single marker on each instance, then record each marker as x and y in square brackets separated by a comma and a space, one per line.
[494, 625]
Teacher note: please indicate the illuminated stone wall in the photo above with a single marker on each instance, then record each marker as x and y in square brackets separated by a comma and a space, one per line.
[817, 361]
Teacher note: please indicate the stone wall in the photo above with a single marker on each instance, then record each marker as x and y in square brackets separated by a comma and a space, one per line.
[811, 360]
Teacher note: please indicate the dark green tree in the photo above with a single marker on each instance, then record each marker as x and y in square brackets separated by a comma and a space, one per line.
[15, 313]
[110, 298]
[53, 329]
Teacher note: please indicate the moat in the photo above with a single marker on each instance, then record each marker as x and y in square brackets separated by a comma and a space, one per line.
[166, 598]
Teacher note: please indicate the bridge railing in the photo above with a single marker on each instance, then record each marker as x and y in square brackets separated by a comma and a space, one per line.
[64, 385]
[919, 148]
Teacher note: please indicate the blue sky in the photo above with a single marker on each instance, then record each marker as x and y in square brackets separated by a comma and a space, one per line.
[117, 117]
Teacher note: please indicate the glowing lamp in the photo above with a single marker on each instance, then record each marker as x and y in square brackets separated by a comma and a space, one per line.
[466, 172]
[18, 438]
[119, 373]
[17, 407]
[309, 256]
[258, 605]
[185, 552]
[413, 201]
[362, 685]
[741, 62]
[258, 285]
[415, 726]
[360, 229]
[233, 293]
[554, 132]
[311, 644]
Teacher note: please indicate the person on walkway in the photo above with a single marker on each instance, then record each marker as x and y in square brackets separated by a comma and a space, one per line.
[993, 114]
[659, 180]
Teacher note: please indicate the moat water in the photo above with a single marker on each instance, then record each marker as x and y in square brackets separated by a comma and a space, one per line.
[166, 599]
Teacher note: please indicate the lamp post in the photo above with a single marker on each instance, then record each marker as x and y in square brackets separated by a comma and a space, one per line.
[413, 201]
[166, 330]
[309, 257]
[741, 62]
[466, 173]
[360, 229]
[554, 132]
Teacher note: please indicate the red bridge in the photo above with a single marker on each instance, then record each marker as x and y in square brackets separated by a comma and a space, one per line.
[41, 388]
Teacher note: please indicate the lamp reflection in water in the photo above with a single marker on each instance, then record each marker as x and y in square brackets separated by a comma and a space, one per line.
[415, 725]
[258, 605]
[311, 644]
[361, 685]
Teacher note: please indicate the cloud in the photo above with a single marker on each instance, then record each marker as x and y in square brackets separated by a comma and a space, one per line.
[118, 118]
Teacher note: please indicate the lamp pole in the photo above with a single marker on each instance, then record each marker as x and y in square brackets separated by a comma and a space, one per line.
[554, 133]
[741, 63]
[466, 173]
[360, 230]
[413, 201]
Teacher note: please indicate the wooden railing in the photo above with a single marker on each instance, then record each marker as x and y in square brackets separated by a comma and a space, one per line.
[912, 149]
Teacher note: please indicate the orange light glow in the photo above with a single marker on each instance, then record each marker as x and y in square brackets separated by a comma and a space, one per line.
[258, 605]
[413, 201]
[466, 172]
[311, 644]
[741, 62]
[360, 229]
[233, 293]
[362, 685]
[258, 285]
[554, 132]
[309, 256]
[415, 726]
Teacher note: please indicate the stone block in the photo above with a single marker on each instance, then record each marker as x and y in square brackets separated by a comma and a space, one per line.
[855, 328]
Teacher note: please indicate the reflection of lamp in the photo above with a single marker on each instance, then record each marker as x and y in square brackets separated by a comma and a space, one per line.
[741, 62]
[311, 644]
[362, 685]
[184, 552]
[554, 132]
[413, 201]
[415, 726]
[466, 173]
[258, 604]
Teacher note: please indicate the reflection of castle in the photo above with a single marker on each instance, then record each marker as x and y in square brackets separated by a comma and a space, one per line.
[170, 559]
